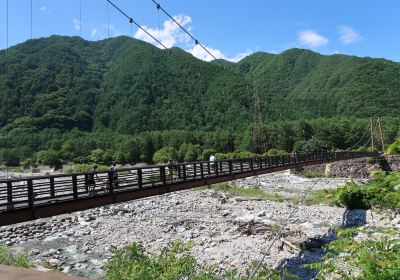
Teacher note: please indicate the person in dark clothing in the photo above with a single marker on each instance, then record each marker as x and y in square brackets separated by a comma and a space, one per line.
[91, 182]
[114, 177]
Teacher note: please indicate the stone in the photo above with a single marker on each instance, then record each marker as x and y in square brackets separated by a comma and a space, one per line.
[54, 262]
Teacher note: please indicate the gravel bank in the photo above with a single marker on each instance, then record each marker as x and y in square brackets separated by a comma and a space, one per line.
[226, 231]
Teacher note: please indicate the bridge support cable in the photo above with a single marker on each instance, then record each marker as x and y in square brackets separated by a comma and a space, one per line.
[108, 21]
[7, 29]
[31, 18]
[131, 20]
[371, 123]
[159, 7]
[361, 139]
[80, 18]
[380, 133]
[278, 235]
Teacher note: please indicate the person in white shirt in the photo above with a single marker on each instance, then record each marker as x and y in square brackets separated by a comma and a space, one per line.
[213, 164]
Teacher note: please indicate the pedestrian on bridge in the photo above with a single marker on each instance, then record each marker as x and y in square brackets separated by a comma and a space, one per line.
[213, 163]
[91, 182]
[114, 177]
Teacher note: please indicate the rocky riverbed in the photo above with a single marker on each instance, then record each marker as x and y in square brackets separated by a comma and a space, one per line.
[226, 231]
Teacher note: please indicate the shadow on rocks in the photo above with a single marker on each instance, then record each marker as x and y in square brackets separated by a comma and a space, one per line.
[313, 249]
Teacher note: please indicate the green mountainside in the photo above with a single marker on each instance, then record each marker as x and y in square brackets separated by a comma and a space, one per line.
[123, 84]
[71, 96]
[327, 85]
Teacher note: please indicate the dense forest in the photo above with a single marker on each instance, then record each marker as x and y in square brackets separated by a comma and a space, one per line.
[64, 99]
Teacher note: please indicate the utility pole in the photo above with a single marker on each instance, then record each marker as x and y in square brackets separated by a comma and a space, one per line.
[259, 132]
[371, 126]
[380, 133]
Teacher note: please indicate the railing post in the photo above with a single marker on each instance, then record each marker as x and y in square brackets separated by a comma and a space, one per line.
[52, 191]
[201, 170]
[194, 171]
[140, 178]
[184, 172]
[74, 187]
[241, 165]
[9, 193]
[208, 168]
[163, 178]
[30, 193]
[251, 164]
[269, 161]
[111, 181]
[216, 168]
[230, 167]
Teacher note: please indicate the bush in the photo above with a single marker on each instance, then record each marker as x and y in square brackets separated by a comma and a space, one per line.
[276, 152]
[18, 260]
[394, 148]
[365, 260]
[164, 155]
[381, 191]
[174, 262]
[85, 168]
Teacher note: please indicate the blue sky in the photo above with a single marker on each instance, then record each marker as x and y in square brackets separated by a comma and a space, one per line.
[230, 29]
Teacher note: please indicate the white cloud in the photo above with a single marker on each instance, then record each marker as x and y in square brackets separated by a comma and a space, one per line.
[77, 23]
[94, 31]
[348, 35]
[169, 34]
[240, 56]
[312, 39]
[200, 53]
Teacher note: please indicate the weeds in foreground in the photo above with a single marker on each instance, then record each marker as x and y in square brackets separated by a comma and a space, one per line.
[172, 263]
[8, 258]
[368, 259]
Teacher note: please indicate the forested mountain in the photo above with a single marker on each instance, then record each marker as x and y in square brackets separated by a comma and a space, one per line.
[327, 85]
[123, 84]
[75, 96]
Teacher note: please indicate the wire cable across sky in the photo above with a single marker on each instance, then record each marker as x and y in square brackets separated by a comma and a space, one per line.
[158, 6]
[134, 22]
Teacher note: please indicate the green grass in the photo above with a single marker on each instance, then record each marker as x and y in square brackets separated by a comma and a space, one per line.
[173, 262]
[253, 192]
[19, 259]
[372, 258]
[327, 197]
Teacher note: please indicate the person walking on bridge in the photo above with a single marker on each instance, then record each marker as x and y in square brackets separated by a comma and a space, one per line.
[91, 183]
[213, 163]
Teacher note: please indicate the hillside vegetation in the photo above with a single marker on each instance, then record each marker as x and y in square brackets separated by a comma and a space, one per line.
[67, 99]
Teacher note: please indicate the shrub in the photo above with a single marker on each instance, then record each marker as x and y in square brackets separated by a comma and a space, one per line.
[18, 259]
[365, 260]
[85, 168]
[173, 262]
[380, 191]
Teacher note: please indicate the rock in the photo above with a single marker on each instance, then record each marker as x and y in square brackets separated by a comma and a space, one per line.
[54, 262]
[34, 252]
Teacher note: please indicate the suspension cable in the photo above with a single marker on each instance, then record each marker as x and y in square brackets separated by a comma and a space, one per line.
[80, 18]
[7, 29]
[138, 25]
[158, 6]
[31, 17]
[108, 21]
[359, 141]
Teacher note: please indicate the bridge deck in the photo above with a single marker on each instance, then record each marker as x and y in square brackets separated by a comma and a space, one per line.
[26, 199]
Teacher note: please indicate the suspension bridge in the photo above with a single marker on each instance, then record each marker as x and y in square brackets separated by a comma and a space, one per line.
[31, 198]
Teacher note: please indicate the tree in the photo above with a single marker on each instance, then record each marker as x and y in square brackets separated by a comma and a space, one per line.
[164, 155]
[49, 157]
